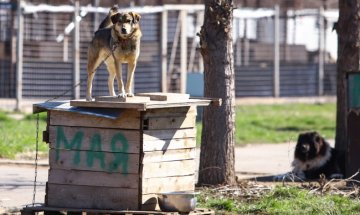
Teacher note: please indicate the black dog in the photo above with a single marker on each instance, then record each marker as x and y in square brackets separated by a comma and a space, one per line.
[314, 156]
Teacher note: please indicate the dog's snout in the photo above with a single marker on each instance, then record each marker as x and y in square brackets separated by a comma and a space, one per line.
[305, 148]
[123, 30]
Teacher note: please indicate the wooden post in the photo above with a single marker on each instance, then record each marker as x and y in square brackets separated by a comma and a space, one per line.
[175, 44]
[276, 78]
[164, 41]
[183, 52]
[199, 16]
[19, 65]
[76, 51]
[321, 52]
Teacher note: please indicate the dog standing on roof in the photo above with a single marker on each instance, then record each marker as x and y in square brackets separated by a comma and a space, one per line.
[117, 41]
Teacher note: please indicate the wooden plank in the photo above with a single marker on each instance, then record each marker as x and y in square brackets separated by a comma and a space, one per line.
[33, 210]
[161, 145]
[166, 96]
[84, 103]
[143, 106]
[188, 121]
[168, 184]
[167, 169]
[71, 196]
[99, 139]
[153, 135]
[190, 102]
[94, 161]
[165, 112]
[103, 179]
[129, 119]
[169, 155]
[120, 99]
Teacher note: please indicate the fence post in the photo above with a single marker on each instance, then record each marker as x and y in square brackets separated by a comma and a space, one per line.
[321, 52]
[183, 51]
[164, 35]
[276, 74]
[238, 43]
[76, 51]
[246, 44]
[19, 64]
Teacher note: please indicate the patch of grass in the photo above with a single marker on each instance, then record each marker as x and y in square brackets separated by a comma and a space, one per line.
[17, 136]
[281, 123]
[282, 200]
[254, 124]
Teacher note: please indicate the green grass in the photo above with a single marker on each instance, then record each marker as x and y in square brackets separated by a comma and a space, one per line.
[254, 124]
[281, 200]
[281, 123]
[18, 136]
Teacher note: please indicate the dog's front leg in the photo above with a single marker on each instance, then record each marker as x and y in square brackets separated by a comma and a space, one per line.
[90, 78]
[130, 78]
[118, 70]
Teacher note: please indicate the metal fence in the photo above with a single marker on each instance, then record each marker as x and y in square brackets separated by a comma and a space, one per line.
[285, 53]
[277, 53]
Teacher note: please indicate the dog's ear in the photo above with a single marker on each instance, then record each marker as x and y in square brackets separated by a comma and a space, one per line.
[319, 142]
[136, 17]
[115, 18]
[113, 10]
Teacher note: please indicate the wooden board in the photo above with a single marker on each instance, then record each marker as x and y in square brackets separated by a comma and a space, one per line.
[164, 112]
[142, 106]
[32, 210]
[161, 145]
[168, 184]
[167, 169]
[70, 196]
[94, 161]
[99, 139]
[166, 96]
[129, 119]
[93, 178]
[134, 99]
[169, 155]
[170, 122]
[153, 135]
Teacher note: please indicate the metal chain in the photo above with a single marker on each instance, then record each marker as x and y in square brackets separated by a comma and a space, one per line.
[36, 157]
[115, 45]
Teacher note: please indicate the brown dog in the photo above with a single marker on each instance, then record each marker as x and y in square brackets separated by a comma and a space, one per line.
[119, 43]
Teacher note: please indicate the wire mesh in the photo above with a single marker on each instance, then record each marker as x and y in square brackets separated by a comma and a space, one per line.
[7, 42]
[48, 59]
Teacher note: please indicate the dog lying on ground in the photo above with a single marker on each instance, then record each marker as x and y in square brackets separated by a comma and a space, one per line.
[314, 156]
[114, 43]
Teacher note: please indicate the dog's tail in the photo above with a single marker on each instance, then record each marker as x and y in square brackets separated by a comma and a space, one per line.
[107, 21]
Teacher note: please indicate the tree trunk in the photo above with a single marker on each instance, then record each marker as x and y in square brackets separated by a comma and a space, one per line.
[348, 29]
[217, 147]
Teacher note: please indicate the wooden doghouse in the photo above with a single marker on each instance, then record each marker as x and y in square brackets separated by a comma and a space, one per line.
[116, 155]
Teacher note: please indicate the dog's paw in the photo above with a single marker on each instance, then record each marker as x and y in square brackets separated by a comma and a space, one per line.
[130, 94]
[122, 95]
[89, 98]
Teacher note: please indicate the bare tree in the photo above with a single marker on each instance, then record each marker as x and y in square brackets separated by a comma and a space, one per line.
[348, 29]
[217, 147]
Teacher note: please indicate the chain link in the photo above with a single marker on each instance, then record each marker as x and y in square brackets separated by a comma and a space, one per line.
[36, 157]
[114, 46]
